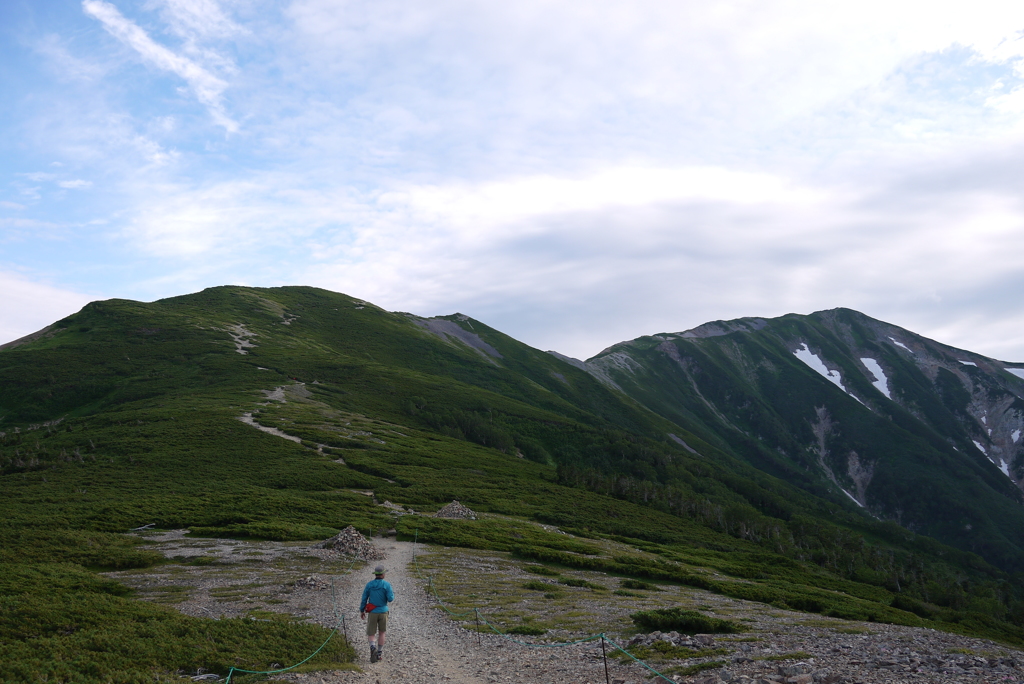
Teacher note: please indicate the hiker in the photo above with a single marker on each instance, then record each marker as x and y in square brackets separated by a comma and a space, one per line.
[376, 596]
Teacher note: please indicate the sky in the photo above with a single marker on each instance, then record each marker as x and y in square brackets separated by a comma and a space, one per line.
[573, 174]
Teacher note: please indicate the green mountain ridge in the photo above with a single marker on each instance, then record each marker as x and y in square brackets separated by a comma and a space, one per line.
[130, 413]
[941, 455]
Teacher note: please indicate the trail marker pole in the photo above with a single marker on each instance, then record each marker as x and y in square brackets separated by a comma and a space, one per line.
[604, 656]
[344, 626]
[479, 639]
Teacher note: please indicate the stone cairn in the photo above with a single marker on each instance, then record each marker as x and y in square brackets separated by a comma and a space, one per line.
[456, 510]
[349, 542]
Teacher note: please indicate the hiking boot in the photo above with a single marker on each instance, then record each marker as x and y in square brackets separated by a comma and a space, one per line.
[380, 654]
[374, 656]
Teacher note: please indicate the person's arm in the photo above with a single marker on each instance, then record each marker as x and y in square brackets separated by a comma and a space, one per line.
[391, 593]
[362, 601]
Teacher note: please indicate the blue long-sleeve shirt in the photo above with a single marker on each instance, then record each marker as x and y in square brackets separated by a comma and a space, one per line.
[379, 593]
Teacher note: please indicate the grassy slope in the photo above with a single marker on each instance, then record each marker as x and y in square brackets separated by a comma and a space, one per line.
[148, 396]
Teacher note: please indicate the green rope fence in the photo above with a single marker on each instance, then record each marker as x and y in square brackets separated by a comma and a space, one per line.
[476, 611]
[340, 624]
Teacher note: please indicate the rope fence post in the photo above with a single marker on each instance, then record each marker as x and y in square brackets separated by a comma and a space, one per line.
[479, 639]
[604, 657]
[344, 626]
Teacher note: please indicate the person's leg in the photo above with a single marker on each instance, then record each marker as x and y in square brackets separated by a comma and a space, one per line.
[382, 625]
[382, 629]
[371, 635]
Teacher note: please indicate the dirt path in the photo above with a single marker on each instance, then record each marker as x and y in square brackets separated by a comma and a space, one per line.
[425, 646]
[419, 646]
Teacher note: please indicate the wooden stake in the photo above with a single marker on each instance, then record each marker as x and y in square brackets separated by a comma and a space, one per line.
[604, 656]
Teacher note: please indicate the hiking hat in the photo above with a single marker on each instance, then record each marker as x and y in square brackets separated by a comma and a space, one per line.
[379, 570]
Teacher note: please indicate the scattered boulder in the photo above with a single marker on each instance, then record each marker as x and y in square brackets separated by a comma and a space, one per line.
[695, 641]
[456, 510]
[349, 542]
[312, 582]
[400, 510]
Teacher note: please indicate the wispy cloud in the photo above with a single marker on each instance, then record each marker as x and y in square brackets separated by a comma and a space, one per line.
[39, 176]
[65, 64]
[191, 18]
[207, 87]
[77, 184]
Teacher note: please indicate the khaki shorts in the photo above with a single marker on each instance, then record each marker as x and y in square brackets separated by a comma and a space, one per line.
[375, 622]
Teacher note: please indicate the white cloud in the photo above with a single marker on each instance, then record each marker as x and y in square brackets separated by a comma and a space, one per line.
[29, 305]
[207, 87]
[11, 205]
[77, 184]
[573, 173]
[734, 67]
[190, 18]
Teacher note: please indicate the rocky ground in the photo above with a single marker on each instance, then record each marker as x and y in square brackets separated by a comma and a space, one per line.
[264, 580]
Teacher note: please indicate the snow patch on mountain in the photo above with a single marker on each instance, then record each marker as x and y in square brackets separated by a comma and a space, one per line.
[1015, 436]
[881, 382]
[852, 498]
[816, 364]
[968, 363]
[683, 444]
[900, 344]
[981, 447]
[1019, 372]
[1005, 467]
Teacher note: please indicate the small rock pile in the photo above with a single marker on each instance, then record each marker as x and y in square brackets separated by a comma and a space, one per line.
[456, 510]
[696, 641]
[799, 673]
[312, 582]
[349, 542]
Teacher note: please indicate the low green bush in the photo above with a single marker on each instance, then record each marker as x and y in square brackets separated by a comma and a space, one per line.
[267, 530]
[582, 583]
[680, 620]
[638, 584]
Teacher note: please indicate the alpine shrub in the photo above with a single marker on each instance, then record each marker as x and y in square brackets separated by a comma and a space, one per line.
[679, 620]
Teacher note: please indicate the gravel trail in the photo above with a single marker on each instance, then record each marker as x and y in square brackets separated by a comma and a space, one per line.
[424, 646]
